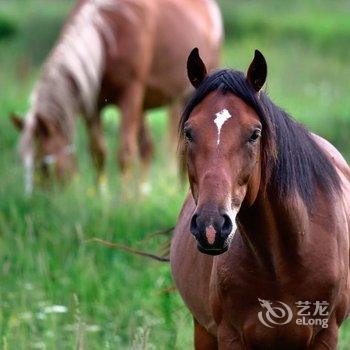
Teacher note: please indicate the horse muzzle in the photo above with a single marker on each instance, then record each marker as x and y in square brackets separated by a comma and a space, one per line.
[212, 231]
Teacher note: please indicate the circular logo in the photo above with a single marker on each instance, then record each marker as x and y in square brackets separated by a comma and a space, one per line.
[274, 313]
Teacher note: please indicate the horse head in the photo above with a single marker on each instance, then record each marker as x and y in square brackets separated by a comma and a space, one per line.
[45, 149]
[223, 142]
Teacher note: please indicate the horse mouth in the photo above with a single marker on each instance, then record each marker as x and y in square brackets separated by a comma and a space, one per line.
[212, 251]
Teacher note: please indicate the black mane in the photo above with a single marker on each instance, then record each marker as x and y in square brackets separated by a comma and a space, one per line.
[291, 159]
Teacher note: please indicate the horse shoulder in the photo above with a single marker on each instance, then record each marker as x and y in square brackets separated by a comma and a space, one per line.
[344, 172]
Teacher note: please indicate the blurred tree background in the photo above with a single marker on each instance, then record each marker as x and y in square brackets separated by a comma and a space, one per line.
[59, 290]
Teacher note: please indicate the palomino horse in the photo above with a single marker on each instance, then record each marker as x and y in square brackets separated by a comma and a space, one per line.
[270, 209]
[124, 52]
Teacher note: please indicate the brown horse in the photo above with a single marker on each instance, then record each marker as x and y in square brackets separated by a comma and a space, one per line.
[272, 201]
[124, 52]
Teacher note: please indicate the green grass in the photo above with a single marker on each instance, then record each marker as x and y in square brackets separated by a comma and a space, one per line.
[114, 300]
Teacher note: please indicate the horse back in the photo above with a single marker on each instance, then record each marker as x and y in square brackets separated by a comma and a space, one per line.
[150, 44]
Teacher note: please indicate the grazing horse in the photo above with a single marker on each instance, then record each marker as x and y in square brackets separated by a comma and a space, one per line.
[260, 253]
[123, 52]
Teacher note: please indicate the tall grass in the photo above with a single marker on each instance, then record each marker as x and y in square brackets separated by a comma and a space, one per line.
[59, 290]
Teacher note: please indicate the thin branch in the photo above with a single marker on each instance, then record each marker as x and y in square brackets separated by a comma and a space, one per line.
[129, 250]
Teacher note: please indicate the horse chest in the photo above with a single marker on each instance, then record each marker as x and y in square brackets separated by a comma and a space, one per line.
[266, 313]
[275, 327]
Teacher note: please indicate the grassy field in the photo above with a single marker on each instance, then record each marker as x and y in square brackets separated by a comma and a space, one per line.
[58, 290]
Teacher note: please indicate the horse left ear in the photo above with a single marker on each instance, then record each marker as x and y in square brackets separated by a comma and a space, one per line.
[17, 121]
[257, 71]
[196, 70]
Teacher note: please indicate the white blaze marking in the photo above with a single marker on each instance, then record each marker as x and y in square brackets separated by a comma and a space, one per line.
[221, 118]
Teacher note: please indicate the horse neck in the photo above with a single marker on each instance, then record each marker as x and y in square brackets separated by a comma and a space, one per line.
[275, 232]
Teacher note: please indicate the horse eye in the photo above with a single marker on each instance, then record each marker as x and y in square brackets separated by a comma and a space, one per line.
[255, 135]
[188, 135]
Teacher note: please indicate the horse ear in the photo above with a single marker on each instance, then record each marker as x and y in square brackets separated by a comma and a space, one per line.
[257, 71]
[17, 121]
[42, 126]
[196, 70]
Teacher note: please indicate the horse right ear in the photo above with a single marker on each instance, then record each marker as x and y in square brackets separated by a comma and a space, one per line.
[17, 121]
[257, 71]
[196, 70]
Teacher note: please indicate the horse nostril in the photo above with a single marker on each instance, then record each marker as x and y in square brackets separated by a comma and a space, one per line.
[194, 226]
[227, 226]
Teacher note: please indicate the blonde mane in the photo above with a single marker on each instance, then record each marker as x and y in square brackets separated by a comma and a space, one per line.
[71, 76]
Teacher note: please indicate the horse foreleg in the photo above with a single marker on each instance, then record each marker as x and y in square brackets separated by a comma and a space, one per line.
[228, 338]
[131, 116]
[327, 338]
[145, 146]
[97, 148]
[202, 339]
[175, 111]
[173, 133]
